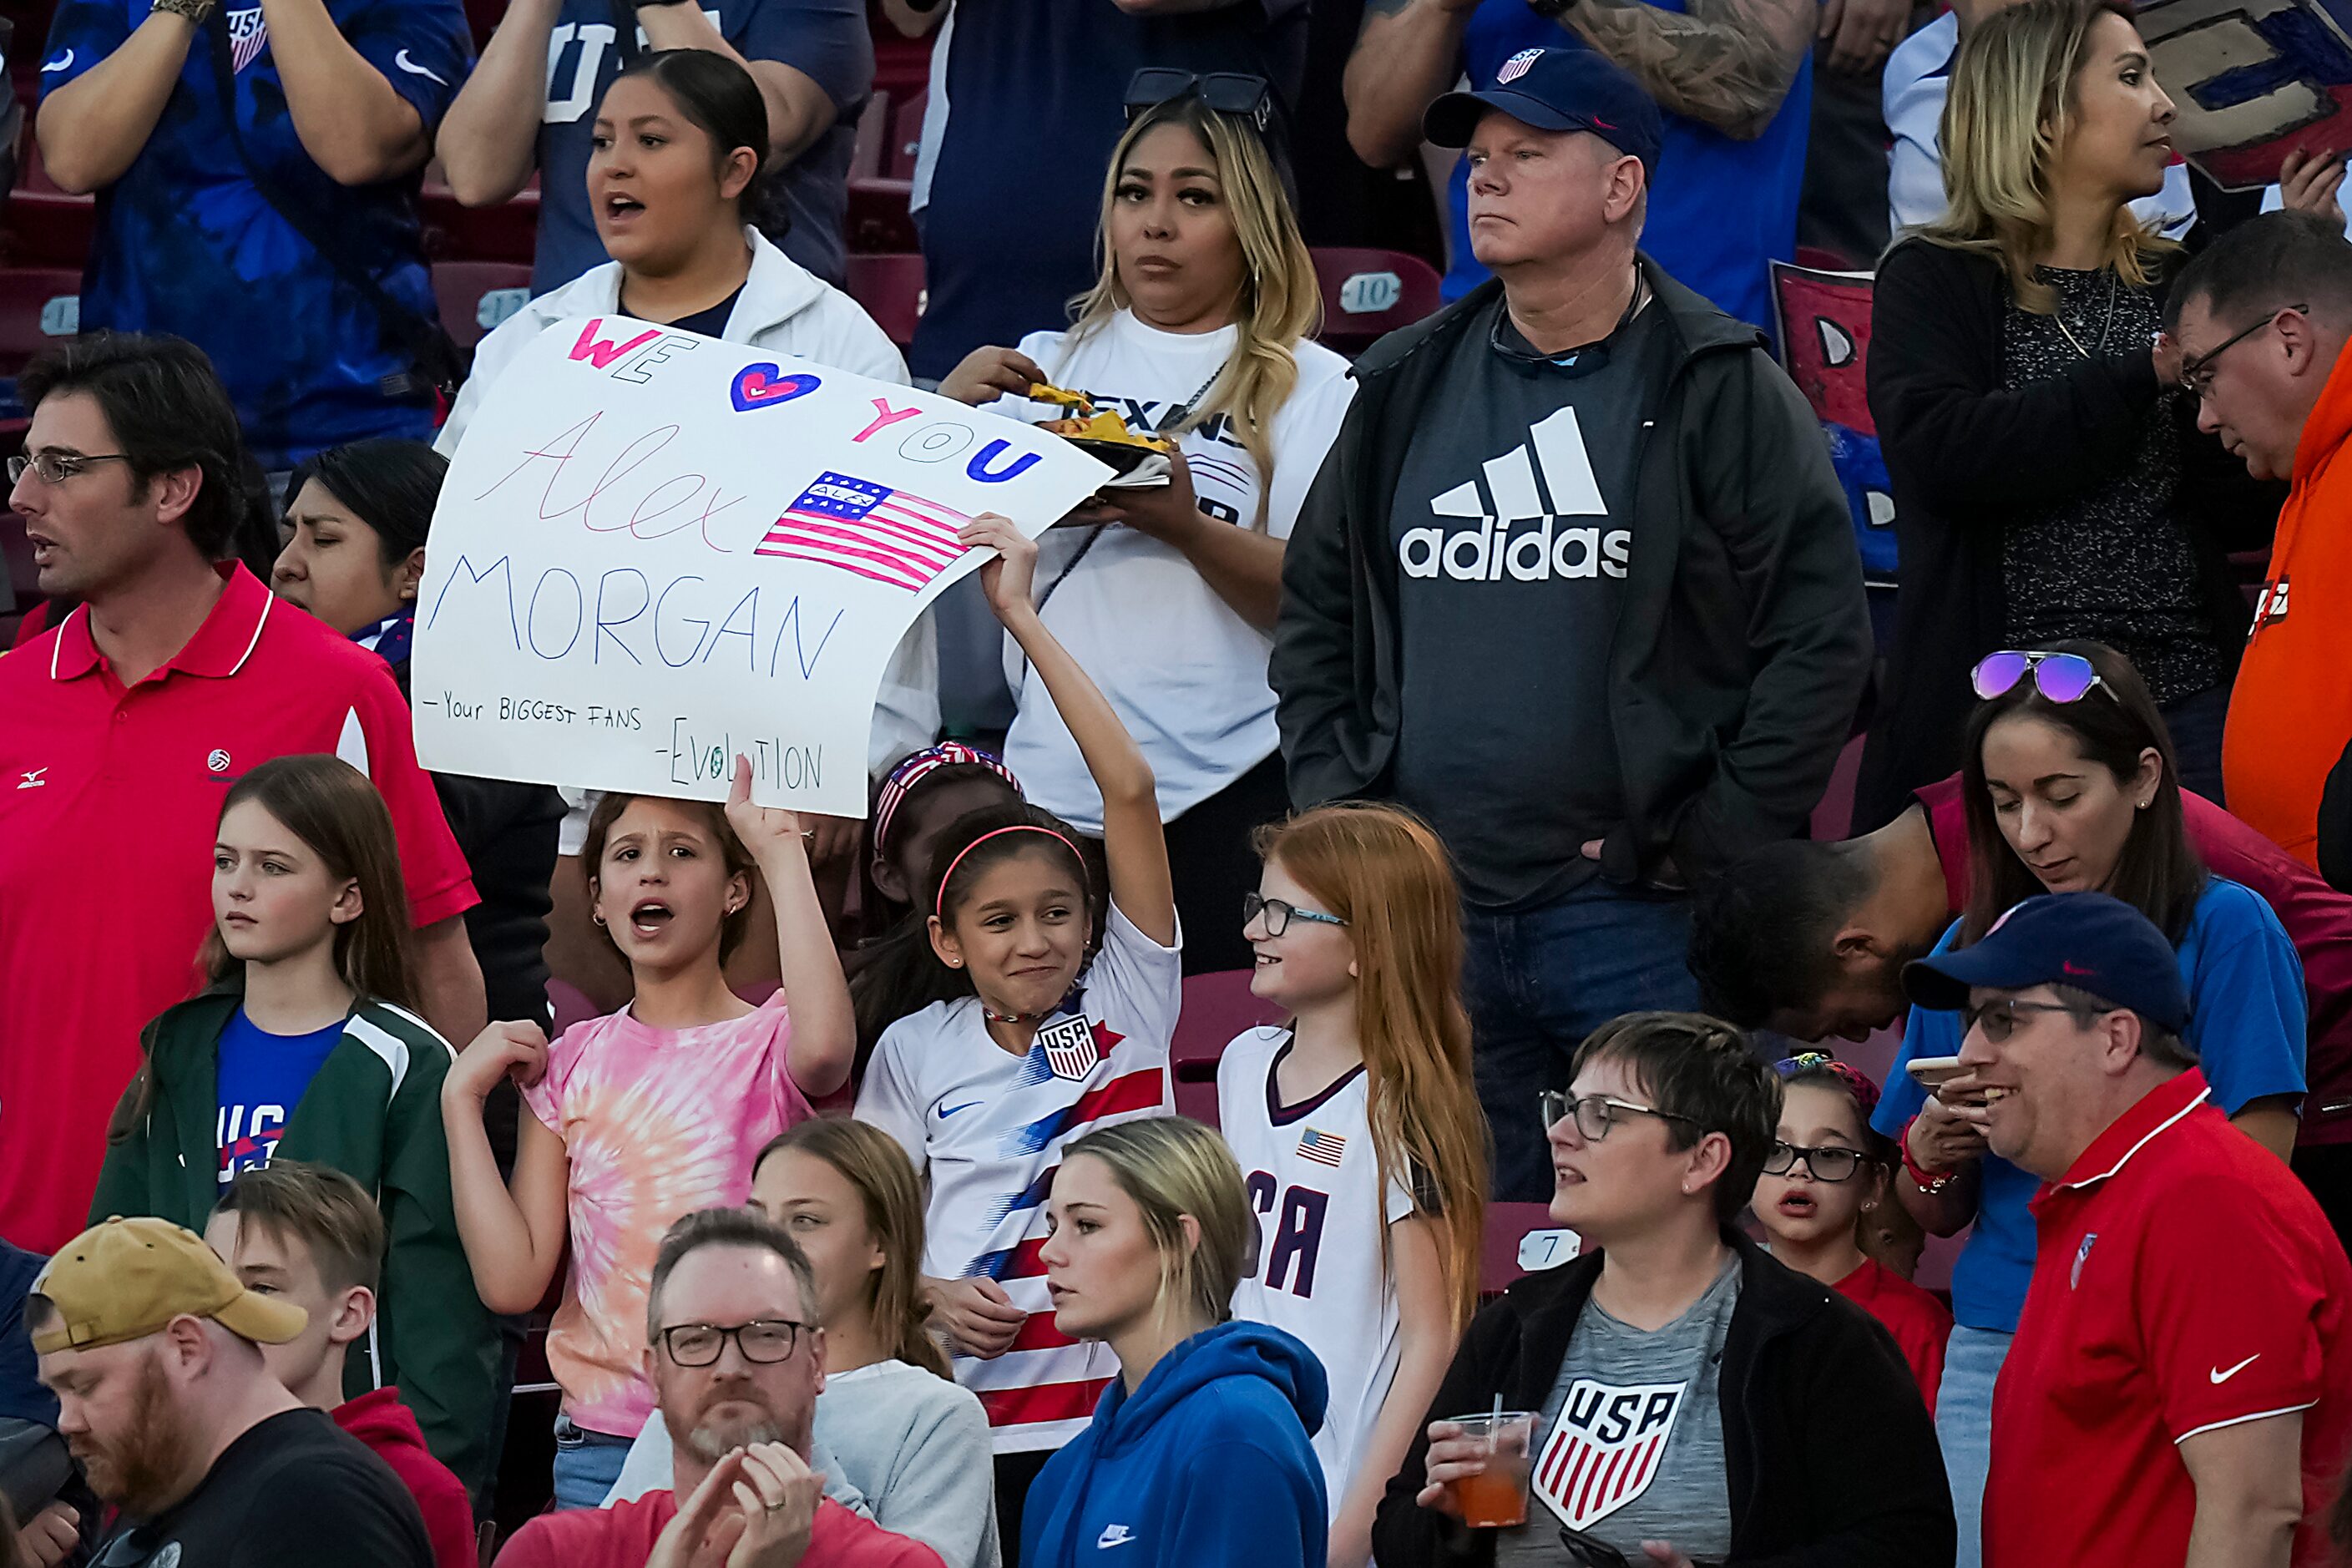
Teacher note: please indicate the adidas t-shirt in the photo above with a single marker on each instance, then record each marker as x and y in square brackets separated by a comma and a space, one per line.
[987, 1128]
[1512, 524]
[1185, 672]
[1630, 1444]
[1321, 1270]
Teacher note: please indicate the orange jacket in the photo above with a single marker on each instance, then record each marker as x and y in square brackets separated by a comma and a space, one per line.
[2291, 712]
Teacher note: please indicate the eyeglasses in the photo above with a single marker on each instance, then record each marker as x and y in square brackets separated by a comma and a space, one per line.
[1591, 1551]
[2197, 373]
[1279, 914]
[1237, 93]
[1596, 1114]
[55, 467]
[1998, 1019]
[763, 1342]
[1829, 1163]
[2059, 677]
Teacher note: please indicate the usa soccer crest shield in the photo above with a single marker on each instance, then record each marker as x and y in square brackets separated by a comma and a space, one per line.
[1606, 1448]
[1069, 1047]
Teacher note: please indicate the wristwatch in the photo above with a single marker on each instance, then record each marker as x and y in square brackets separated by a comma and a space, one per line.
[195, 11]
[1551, 10]
[1929, 1182]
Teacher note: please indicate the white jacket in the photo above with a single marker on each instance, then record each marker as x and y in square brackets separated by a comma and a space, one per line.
[787, 310]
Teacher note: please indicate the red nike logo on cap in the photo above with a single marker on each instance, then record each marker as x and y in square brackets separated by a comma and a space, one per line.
[2072, 968]
[1601, 124]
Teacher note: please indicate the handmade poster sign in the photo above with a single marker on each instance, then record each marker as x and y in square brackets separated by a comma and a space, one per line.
[2252, 80]
[1824, 334]
[656, 550]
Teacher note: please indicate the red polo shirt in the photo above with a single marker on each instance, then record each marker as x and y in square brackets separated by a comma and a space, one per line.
[625, 1535]
[109, 800]
[2319, 920]
[2183, 1281]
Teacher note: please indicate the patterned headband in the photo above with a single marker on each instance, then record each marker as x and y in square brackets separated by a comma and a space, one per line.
[939, 905]
[921, 765]
[1857, 1082]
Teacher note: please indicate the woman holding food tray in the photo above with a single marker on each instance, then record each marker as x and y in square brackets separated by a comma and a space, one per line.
[1165, 584]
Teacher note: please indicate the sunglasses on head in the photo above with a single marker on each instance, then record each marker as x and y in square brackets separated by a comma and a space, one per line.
[1237, 93]
[2059, 677]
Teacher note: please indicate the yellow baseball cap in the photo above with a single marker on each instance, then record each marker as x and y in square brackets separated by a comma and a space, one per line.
[129, 1277]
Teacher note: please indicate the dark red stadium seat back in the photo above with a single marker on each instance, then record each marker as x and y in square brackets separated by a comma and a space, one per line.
[906, 136]
[1368, 294]
[47, 227]
[890, 288]
[475, 296]
[39, 307]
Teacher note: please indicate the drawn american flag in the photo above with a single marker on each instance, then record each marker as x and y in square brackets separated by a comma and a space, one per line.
[1323, 1147]
[247, 34]
[889, 535]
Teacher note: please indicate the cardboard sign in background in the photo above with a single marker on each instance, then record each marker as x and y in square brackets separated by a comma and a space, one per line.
[656, 550]
[2252, 80]
[1824, 334]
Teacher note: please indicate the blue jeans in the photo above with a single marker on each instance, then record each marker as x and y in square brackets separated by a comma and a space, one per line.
[1538, 981]
[1964, 1427]
[587, 1464]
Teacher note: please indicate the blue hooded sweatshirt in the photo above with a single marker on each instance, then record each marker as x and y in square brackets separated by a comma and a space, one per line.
[1208, 1465]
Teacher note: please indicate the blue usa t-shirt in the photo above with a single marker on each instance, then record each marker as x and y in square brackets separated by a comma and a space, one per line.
[1720, 209]
[2246, 1021]
[185, 244]
[259, 1081]
[828, 41]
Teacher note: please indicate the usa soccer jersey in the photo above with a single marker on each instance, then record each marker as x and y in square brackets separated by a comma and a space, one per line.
[1322, 1213]
[186, 244]
[988, 1129]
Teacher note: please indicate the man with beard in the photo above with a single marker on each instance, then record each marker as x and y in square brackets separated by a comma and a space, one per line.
[736, 1363]
[154, 1350]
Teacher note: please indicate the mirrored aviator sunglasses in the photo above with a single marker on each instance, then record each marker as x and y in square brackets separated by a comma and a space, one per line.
[2059, 677]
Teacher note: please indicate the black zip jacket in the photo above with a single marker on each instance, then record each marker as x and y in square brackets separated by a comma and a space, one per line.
[1744, 639]
[1831, 1457]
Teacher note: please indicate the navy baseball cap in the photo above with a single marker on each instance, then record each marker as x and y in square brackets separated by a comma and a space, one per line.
[2087, 941]
[1556, 89]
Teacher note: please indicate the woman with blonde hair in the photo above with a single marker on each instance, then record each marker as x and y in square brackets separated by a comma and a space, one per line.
[2048, 480]
[1199, 329]
[1199, 1451]
[898, 1439]
[1359, 1128]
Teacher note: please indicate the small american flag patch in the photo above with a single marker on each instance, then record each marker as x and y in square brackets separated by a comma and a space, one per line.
[1516, 65]
[1323, 1147]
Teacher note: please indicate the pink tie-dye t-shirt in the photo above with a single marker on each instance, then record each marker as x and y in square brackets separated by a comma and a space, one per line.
[657, 1123]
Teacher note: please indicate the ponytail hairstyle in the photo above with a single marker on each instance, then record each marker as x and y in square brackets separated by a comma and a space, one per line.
[1378, 867]
[337, 814]
[871, 1161]
[718, 97]
[1173, 1166]
[1281, 302]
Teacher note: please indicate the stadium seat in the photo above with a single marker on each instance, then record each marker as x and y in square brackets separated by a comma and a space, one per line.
[870, 152]
[890, 288]
[454, 232]
[1368, 294]
[906, 136]
[1507, 1225]
[38, 306]
[878, 221]
[475, 296]
[46, 226]
[1216, 1007]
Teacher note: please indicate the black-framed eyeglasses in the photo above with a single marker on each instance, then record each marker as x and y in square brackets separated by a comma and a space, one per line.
[1278, 914]
[1998, 1019]
[1597, 1114]
[1827, 1164]
[1237, 93]
[763, 1341]
[2197, 373]
[55, 467]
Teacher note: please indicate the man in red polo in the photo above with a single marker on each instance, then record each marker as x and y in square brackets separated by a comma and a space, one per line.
[2181, 1387]
[121, 731]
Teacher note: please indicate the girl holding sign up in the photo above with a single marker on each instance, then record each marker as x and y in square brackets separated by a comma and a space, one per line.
[653, 1111]
[1050, 1041]
[678, 171]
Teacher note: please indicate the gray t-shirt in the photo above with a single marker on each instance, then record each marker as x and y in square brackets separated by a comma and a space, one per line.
[1630, 1445]
[1512, 524]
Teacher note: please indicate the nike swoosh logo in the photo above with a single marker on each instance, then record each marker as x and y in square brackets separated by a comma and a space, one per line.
[2071, 967]
[948, 1111]
[2220, 1377]
[62, 64]
[413, 69]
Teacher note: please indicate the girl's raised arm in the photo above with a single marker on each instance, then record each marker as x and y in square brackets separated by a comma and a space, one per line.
[825, 1025]
[1133, 842]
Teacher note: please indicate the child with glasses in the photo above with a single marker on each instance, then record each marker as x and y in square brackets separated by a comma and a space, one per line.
[1826, 1176]
[1360, 1131]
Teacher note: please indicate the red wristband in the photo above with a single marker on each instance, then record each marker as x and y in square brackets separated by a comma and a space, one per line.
[1929, 1182]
